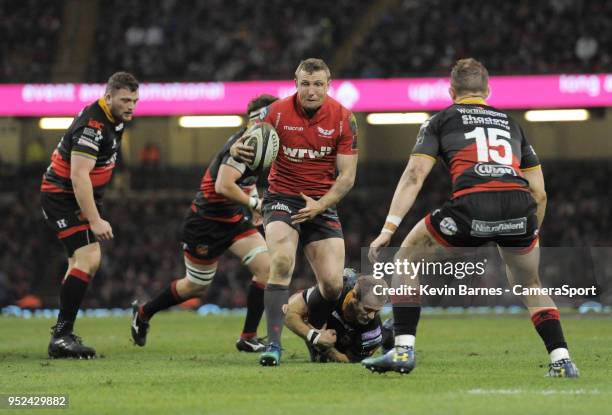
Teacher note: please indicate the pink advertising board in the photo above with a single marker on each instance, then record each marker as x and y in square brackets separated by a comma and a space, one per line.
[380, 95]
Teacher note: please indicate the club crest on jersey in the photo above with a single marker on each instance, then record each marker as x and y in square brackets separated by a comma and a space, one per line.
[202, 250]
[324, 132]
[95, 124]
[448, 226]
[299, 154]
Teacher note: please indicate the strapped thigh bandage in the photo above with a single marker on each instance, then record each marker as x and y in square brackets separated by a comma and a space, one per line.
[250, 256]
[199, 276]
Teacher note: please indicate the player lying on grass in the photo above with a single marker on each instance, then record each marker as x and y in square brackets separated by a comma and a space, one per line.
[353, 330]
[223, 216]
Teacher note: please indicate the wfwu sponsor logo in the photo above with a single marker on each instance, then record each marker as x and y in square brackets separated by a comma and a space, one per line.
[302, 153]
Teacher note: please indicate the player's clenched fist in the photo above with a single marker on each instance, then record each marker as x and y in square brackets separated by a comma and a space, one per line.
[327, 338]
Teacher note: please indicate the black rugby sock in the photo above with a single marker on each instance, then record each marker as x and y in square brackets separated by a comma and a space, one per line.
[165, 299]
[275, 297]
[255, 309]
[548, 325]
[72, 292]
[405, 319]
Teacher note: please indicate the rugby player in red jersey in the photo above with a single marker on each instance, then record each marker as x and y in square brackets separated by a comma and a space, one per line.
[315, 168]
[71, 196]
[498, 196]
[220, 218]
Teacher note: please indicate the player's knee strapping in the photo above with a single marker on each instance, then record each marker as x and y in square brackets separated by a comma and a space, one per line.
[202, 277]
[250, 256]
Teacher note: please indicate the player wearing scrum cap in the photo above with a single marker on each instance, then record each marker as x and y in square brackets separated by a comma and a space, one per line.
[353, 330]
[223, 216]
[315, 168]
[498, 196]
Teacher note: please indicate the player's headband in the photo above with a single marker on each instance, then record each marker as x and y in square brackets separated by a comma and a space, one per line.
[254, 115]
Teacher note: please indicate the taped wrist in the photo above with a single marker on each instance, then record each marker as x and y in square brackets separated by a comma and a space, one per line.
[313, 336]
[254, 203]
[391, 224]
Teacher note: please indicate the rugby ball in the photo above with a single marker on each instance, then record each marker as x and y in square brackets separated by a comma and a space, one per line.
[265, 142]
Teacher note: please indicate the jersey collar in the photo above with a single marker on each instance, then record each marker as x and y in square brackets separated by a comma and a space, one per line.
[102, 104]
[349, 296]
[472, 100]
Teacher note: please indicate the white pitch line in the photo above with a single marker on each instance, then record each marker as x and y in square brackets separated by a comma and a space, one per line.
[531, 392]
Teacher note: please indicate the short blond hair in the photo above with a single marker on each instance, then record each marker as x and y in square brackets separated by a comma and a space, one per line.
[469, 76]
[364, 289]
[311, 65]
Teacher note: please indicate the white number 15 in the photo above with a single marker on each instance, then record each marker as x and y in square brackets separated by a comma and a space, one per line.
[485, 142]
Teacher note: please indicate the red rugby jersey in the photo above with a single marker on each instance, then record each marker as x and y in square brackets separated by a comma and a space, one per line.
[306, 160]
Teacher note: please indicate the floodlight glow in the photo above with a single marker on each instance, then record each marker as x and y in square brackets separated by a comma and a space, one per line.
[210, 121]
[389, 118]
[54, 123]
[557, 115]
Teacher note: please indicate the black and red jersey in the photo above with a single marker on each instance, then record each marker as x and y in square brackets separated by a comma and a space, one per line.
[483, 147]
[306, 160]
[94, 134]
[211, 205]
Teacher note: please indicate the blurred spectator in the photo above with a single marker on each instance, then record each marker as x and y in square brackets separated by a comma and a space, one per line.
[149, 156]
[586, 47]
[35, 153]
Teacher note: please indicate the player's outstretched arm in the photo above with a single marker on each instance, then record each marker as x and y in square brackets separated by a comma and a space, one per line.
[226, 186]
[536, 184]
[406, 192]
[346, 164]
[80, 166]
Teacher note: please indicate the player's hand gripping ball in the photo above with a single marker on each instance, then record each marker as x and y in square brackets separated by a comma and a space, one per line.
[264, 140]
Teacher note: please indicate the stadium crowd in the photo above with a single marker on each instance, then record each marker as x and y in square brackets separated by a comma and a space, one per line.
[171, 40]
[190, 40]
[27, 51]
[145, 254]
[510, 37]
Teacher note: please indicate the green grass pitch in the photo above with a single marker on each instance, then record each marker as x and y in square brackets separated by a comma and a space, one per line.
[465, 365]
